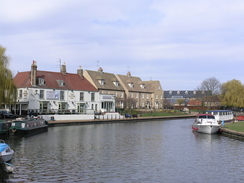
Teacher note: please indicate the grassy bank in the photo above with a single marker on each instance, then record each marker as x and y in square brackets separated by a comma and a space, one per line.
[238, 126]
[162, 114]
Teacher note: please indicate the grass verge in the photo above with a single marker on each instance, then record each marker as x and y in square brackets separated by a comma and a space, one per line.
[238, 126]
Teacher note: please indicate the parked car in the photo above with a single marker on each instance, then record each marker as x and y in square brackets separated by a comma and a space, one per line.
[6, 114]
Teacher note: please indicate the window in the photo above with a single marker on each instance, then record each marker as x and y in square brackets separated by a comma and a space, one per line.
[60, 82]
[41, 94]
[116, 83]
[142, 86]
[142, 95]
[121, 95]
[41, 81]
[156, 96]
[131, 85]
[147, 96]
[61, 95]
[81, 96]
[101, 81]
[20, 93]
[137, 95]
[92, 96]
[131, 95]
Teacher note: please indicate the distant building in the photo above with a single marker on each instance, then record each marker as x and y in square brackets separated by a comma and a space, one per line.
[189, 96]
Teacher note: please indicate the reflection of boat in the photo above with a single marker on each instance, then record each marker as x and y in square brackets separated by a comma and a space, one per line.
[4, 127]
[6, 153]
[27, 127]
[205, 123]
[9, 167]
[222, 115]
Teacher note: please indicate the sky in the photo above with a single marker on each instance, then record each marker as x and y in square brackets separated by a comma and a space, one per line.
[178, 42]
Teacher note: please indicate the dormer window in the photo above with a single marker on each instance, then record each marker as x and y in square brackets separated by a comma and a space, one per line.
[60, 82]
[41, 81]
[101, 81]
[131, 85]
[142, 86]
[116, 83]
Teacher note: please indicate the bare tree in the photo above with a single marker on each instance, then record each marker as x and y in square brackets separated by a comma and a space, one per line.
[210, 85]
[210, 88]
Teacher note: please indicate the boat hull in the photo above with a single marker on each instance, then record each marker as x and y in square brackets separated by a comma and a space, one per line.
[209, 129]
[28, 132]
[7, 157]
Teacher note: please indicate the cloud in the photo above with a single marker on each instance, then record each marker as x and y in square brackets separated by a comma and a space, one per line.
[154, 38]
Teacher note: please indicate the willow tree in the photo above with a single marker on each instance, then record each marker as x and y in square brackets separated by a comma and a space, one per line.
[233, 94]
[7, 88]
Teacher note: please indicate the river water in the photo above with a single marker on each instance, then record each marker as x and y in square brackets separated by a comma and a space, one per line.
[153, 151]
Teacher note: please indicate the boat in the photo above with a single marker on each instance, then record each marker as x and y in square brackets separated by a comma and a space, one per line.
[28, 127]
[206, 123]
[222, 115]
[6, 153]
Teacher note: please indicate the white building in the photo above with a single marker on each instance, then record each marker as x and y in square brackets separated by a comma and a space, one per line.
[45, 92]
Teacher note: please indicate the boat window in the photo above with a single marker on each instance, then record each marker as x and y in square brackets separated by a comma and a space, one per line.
[211, 117]
[7, 150]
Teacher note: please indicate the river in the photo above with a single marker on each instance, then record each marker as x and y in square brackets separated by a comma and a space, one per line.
[153, 151]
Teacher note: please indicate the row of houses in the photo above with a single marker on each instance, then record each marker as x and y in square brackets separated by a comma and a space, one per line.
[84, 92]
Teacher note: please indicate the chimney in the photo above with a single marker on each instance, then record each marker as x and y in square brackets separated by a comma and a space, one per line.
[63, 69]
[100, 70]
[33, 72]
[129, 74]
[80, 72]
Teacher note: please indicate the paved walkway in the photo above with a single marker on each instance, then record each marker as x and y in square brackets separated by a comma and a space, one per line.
[99, 121]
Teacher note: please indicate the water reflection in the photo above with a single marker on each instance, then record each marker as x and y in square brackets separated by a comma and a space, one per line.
[127, 152]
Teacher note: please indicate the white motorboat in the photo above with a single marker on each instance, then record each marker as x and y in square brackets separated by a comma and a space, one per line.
[6, 153]
[206, 123]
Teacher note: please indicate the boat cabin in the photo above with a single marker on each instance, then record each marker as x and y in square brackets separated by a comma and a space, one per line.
[205, 116]
[222, 115]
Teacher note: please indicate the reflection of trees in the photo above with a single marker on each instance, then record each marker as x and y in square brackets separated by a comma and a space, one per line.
[7, 89]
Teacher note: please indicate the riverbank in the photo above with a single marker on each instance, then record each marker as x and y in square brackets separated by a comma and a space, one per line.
[234, 130]
[124, 120]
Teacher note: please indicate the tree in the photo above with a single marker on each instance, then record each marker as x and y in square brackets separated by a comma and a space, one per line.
[232, 94]
[210, 89]
[180, 101]
[211, 85]
[7, 88]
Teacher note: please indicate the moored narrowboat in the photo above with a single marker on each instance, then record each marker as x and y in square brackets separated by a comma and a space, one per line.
[28, 127]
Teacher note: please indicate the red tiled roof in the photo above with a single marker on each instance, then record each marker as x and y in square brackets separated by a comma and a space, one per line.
[71, 81]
